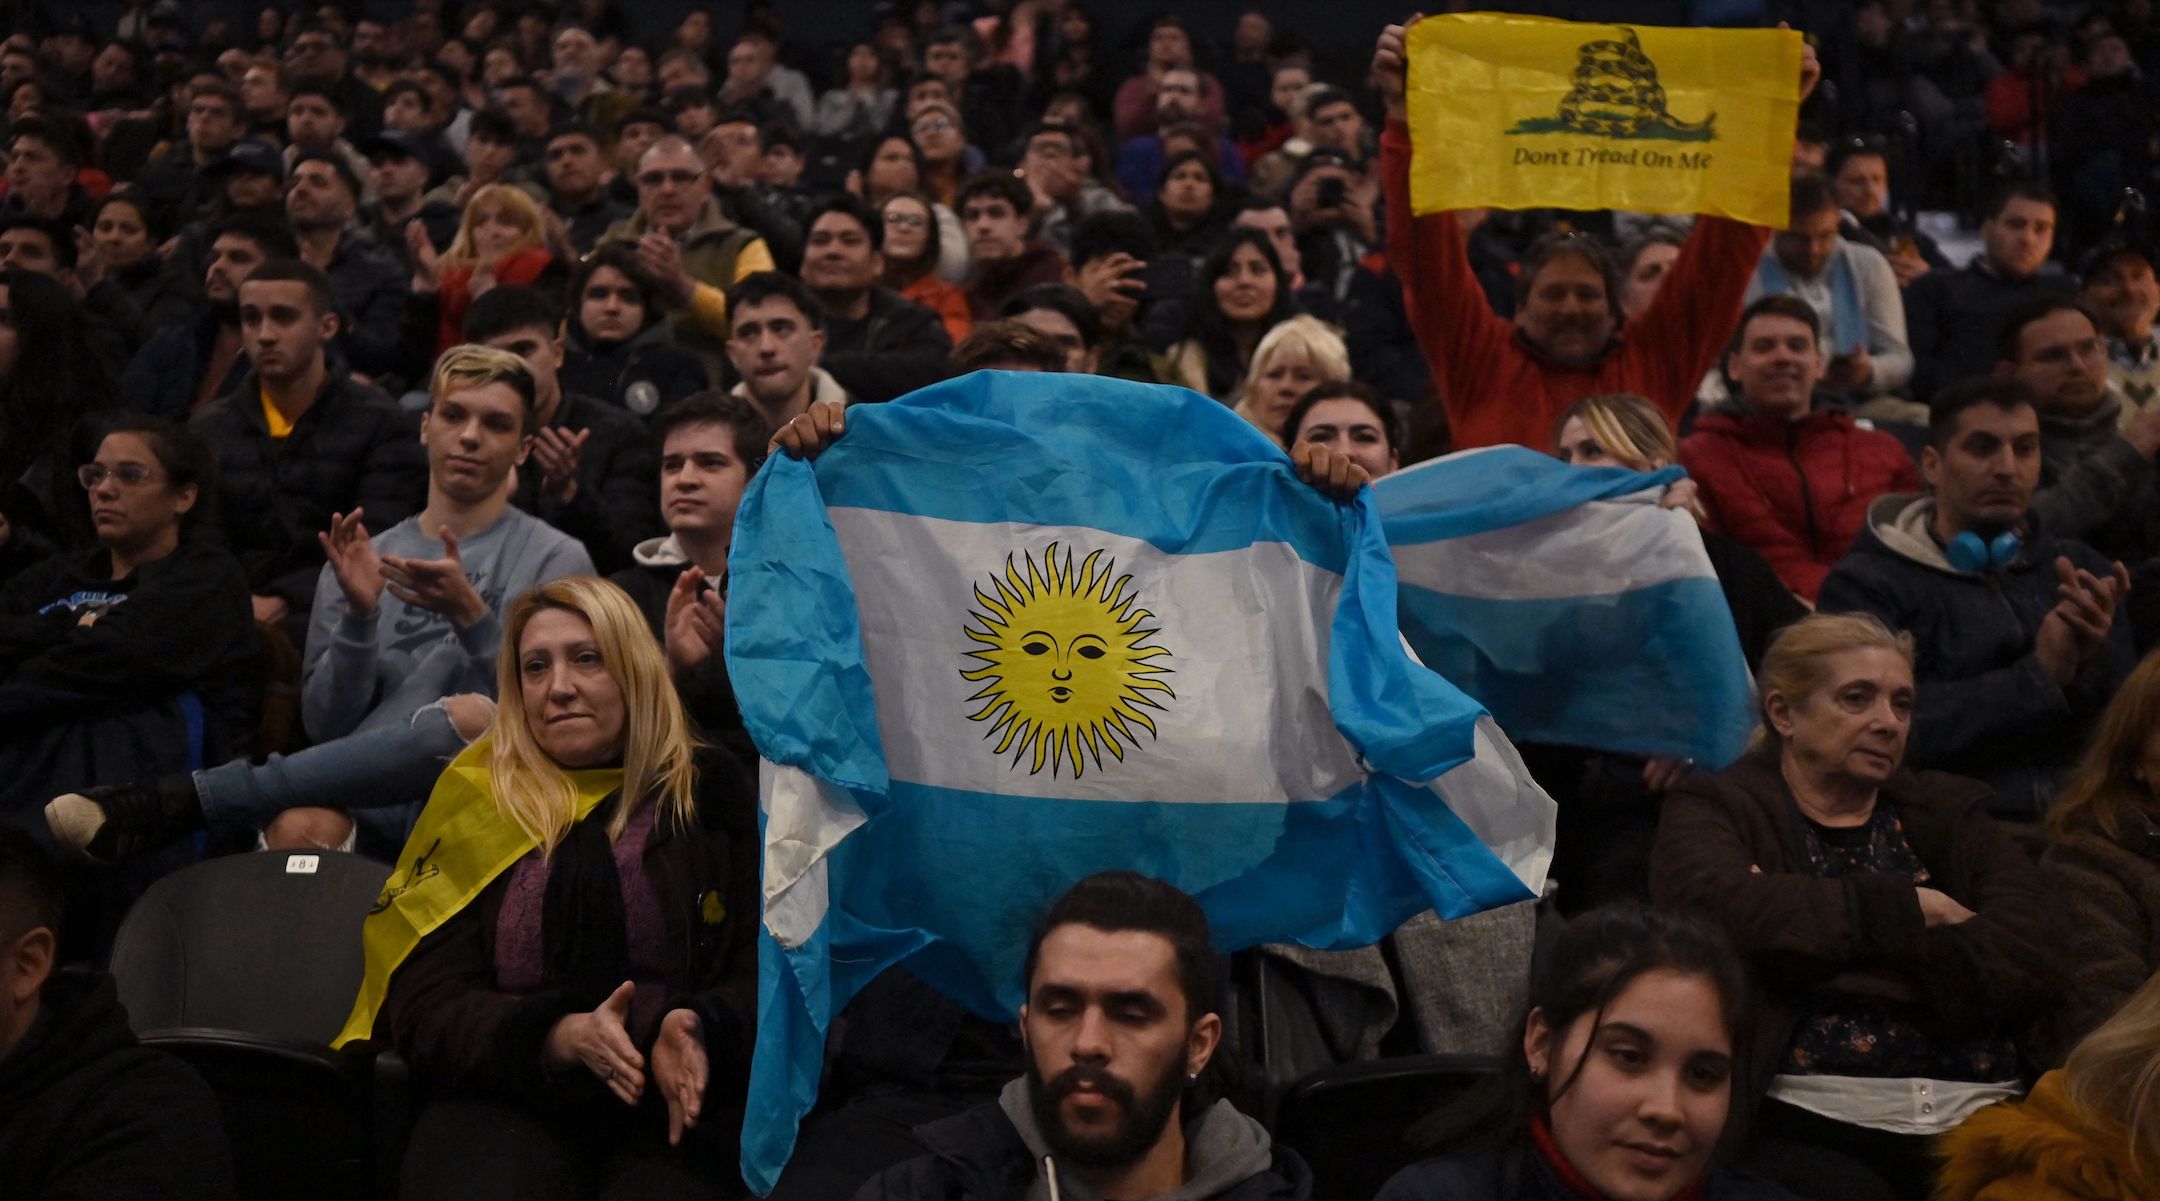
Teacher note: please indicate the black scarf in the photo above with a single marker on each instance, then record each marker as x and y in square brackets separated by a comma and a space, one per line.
[584, 936]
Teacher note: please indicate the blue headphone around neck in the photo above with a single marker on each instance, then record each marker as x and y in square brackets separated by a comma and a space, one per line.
[1967, 552]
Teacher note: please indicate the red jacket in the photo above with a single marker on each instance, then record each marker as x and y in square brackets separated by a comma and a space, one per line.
[522, 268]
[1795, 492]
[1495, 386]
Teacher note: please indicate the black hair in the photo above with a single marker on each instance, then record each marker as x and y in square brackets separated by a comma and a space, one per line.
[876, 144]
[775, 134]
[1063, 299]
[57, 375]
[319, 85]
[1584, 970]
[157, 222]
[409, 87]
[745, 427]
[855, 207]
[1810, 194]
[182, 454]
[2010, 336]
[1105, 234]
[767, 285]
[30, 886]
[573, 129]
[320, 291]
[741, 114]
[1852, 148]
[1384, 414]
[1947, 410]
[1118, 902]
[2018, 189]
[55, 231]
[999, 343]
[646, 114]
[931, 250]
[1071, 134]
[997, 185]
[1325, 97]
[1219, 197]
[493, 125]
[507, 308]
[622, 256]
[688, 96]
[338, 167]
[1206, 324]
[1779, 304]
[49, 128]
[270, 234]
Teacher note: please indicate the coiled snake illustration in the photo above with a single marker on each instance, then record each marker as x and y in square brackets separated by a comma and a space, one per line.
[1616, 94]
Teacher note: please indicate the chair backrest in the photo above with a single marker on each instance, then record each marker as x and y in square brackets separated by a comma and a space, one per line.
[266, 943]
[1351, 1122]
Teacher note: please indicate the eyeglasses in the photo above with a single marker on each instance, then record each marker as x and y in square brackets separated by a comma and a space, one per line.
[907, 220]
[935, 125]
[653, 179]
[130, 475]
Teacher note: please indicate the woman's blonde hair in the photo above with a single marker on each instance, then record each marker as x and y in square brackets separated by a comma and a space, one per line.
[2103, 790]
[2114, 1076]
[1303, 334]
[1797, 663]
[536, 792]
[1628, 426]
[513, 200]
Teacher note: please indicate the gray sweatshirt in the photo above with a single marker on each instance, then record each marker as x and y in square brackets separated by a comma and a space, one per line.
[367, 672]
[1223, 1149]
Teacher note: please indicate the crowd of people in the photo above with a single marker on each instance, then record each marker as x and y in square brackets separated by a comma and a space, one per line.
[378, 395]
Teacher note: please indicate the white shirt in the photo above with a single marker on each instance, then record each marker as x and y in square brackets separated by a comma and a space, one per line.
[1896, 1105]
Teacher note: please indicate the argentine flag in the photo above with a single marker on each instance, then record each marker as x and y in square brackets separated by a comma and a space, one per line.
[1013, 629]
[1568, 603]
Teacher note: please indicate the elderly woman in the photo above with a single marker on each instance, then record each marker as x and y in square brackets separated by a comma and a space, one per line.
[2103, 857]
[583, 1017]
[1901, 934]
[1292, 359]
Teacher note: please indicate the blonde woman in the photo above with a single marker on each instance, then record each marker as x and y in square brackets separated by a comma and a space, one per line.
[583, 1012]
[2090, 1132]
[1292, 359]
[504, 238]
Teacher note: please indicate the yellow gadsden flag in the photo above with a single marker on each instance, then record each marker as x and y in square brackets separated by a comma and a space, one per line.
[1523, 112]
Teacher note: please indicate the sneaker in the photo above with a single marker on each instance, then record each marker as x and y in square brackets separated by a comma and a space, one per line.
[114, 822]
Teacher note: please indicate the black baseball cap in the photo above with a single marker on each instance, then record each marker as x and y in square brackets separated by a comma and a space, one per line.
[249, 155]
[2114, 246]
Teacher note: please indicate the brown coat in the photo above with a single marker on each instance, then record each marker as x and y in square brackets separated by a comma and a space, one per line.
[2043, 1148]
[447, 1018]
[1863, 935]
[2110, 891]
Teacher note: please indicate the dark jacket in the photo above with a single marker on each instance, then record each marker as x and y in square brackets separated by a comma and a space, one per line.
[439, 218]
[710, 698]
[2095, 487]
[164, 376]
[643, 374]
[588, 223]
[897, 347]
[1514, 1171]
[371, 285]
[445, 1014]
[353, 448]
[994, 1153]
[2109, 889]
[1986, 708]
[104, 680]
[1951, 318]
[85, 1112]
[617, 503]
[1760, 603]
[1863, 935]
[992, 284]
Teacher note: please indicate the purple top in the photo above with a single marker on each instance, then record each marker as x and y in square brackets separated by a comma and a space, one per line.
[517, 928]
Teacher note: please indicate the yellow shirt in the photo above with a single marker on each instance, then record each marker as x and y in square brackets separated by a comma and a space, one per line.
[708, 304]
[279, 427]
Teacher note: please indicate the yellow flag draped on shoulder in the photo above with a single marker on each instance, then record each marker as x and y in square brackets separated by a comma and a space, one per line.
[1523, 112]
[462, 841]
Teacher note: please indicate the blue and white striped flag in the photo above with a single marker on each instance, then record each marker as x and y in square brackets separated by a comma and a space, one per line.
[1568, 603]
[1014, 629]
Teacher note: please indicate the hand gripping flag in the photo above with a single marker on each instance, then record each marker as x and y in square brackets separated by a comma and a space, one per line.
[1523, 112]
[1568, 603]
[1013, 629]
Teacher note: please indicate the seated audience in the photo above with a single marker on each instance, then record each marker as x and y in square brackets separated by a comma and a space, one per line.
[124, 237]
[503, 240]
[528, 1036]
[1297, 355]
[1138, 100]
[1243, 293]
[911, 249]
[892, 166]
[300, 440]
[996, 211]
[2022, 634]
[1902, 936]
[878, 344]
[1110, 268]
[589, 470]
[1191, 207]
[85, 1111]
[1859, 174]
[692, 251]
[1507, 382]
[1143, 158]
[1852, 291]
[198, 357]
[1058, 164]
[51, 379]
[1060, 313]
[1620, 1080]
[1008, 344]
[1789, 479]
[1952, 317]
[2120, 291]
[777, 337]
[2084, 1133]
[577, 179]
[139, 656]
[616, 343]
[2103, 857]
[322, 201]
[49, 249]
[1108, 1116]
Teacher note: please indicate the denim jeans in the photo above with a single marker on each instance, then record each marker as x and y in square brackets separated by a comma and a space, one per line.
[381, 777]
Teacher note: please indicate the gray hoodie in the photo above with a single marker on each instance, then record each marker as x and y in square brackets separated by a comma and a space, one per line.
[1223, 1149]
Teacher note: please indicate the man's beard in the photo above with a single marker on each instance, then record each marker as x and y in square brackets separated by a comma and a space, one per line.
[1142, 1116]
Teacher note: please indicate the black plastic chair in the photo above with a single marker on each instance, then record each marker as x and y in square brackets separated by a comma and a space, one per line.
[246, 967]
[1351, 1122]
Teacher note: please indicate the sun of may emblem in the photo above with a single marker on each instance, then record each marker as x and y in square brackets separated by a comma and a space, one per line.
[1064, 661]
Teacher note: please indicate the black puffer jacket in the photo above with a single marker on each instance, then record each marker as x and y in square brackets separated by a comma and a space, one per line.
[1516, 1172]
[643, 374]
[897, 347]
[617, 503]
[85, 1112]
